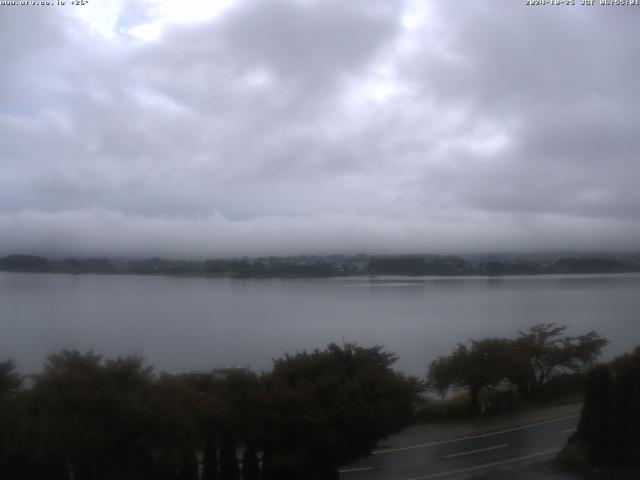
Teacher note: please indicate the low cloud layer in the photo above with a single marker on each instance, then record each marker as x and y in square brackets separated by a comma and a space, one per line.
[104, 232]
[307, 126]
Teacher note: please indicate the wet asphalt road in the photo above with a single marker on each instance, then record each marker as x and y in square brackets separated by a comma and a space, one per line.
[466, 457]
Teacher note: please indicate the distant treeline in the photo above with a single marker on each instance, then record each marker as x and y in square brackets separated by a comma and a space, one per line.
[328, 266]
[451, 265]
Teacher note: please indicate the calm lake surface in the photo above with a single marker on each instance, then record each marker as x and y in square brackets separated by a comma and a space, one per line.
[181, 324]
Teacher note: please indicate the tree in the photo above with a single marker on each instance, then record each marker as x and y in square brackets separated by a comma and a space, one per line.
[210, 459]
[187, 465]
[625, 442]
[10, 384]
[544, 350]
[480, 365]
[99, 419]
[229, 468]
[250, 464]
[174, 429]
[595, 419]
[329, 407]
[10, 381]
[528, 362]
[93, 414]
[609, 426]
[113, 418]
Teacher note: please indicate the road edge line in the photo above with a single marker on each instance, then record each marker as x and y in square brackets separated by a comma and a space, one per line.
[471, 437]
[486, 465]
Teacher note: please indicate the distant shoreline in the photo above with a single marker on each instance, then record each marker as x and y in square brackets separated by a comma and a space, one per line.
[238, 276]
[331, 266]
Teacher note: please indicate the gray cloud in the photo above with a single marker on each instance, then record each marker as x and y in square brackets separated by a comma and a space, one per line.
[308, 126]
[85, 232]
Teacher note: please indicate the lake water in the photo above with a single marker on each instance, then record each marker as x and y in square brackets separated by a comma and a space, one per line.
[181, 324]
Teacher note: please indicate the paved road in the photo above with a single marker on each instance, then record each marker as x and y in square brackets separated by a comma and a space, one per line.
[467, 456]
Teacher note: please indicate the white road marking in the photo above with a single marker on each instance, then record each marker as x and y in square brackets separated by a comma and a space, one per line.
[486, 465]
[359, 469]
[569, 430]
[480, 450]
[471, 437]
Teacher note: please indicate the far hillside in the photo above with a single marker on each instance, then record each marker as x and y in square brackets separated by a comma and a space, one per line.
[334, 265]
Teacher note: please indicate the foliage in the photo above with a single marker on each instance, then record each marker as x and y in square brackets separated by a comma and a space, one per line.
[475, 367]
[187, 465]
[10, 384]
[329, 407]
[103, 419]
[94, 414]
[544, 350]
[527, 362]
[229, 468]
[595, 421]
[10, 381]
[609, 426]
[108, 419]
[210, 459]
[250, 464]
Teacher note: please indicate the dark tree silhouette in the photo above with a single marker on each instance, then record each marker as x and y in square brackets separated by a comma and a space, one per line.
[595, 421]
[10, 381]
[329, 407]
[544, 350]
[268, 472]
[110, 418]
[10, 384]
[480, 365]
[210, 459]
[100, 419]
[528, 362]
[609, 427]
[229, 469]
[187, 465]
[250, 464]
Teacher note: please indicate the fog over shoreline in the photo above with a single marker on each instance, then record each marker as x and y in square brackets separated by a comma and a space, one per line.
[98, 232]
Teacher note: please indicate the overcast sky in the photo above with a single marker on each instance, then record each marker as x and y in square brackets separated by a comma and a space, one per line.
[233, 127]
